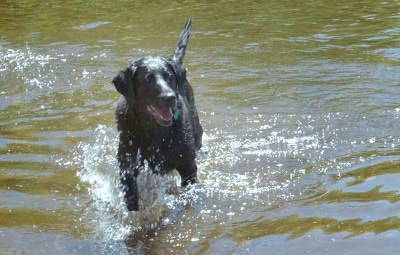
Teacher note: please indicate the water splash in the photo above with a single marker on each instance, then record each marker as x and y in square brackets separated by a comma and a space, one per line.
[106, 211]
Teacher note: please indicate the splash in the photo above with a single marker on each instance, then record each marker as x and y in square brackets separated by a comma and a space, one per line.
[106, 212]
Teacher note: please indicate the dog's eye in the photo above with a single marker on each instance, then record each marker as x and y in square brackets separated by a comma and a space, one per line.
[148, 78]
[168, 76]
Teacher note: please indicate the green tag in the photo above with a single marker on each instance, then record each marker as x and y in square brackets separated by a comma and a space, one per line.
[176, 114]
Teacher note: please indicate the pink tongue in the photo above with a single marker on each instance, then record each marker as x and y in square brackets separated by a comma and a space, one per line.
[165, 114]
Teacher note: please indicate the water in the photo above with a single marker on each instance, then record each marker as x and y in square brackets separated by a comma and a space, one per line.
[300, 106]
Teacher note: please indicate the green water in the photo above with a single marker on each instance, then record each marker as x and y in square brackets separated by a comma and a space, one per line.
[300, 105]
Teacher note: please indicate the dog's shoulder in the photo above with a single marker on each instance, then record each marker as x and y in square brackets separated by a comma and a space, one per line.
[122, 107]
[123, 114]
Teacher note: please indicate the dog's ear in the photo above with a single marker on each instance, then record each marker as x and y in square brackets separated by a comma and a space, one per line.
[124, 83]
[180, 75]
[182, 43]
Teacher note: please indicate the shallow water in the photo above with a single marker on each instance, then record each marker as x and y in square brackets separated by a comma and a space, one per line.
[300, 105]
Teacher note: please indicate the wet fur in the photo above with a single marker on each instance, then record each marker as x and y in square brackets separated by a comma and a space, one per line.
[165, 143]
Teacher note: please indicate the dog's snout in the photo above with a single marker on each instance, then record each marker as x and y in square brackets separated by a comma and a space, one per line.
[167, 98]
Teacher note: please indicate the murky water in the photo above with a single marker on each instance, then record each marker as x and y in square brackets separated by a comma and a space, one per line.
[300, 105]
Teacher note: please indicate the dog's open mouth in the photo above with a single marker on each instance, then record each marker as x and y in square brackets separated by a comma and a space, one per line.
[161, 116]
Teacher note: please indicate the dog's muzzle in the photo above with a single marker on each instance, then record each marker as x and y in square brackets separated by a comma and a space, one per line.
[161, 116]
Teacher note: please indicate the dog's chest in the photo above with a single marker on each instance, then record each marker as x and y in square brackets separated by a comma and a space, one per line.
[163, 149]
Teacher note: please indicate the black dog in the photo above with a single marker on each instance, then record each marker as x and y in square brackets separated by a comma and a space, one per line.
[157, 119]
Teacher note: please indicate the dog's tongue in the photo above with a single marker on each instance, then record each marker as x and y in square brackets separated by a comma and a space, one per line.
[163, 114]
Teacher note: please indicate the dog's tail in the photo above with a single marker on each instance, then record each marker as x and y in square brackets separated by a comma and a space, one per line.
[182, 43]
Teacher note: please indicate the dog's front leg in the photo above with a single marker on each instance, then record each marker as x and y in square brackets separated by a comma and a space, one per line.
[129, 187]
[129, 164]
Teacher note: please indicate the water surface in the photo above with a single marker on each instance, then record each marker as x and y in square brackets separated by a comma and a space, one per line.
[300, 105]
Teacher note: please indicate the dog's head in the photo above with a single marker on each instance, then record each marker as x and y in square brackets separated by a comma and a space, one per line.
[151, 85]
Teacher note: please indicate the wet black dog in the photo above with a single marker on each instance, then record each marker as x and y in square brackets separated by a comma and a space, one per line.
[157, 119]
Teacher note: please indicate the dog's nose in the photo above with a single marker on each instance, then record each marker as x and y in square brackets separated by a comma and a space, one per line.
[167, 98]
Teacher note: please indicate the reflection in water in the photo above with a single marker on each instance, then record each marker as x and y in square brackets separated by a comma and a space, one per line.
[299, 101]
[305, 225]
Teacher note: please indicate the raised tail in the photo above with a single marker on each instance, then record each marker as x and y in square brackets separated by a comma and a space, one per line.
[182, 43]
